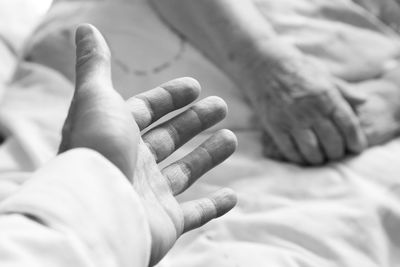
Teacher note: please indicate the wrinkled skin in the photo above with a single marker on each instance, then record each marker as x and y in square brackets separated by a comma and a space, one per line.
[101, 120]
[306, 112]
[379, 113]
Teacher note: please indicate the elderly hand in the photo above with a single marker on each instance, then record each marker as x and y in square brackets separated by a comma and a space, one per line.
[307, 115]
[101, 120]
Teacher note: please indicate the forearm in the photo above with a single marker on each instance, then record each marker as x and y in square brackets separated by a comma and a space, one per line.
[228, 32]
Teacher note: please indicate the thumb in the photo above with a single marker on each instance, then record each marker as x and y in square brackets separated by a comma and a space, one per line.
[98, 117]
[93, 58]
[93, 73]
[353, 96]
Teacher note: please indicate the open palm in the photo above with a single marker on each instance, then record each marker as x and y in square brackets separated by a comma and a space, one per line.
[101, 120]
[157, 187]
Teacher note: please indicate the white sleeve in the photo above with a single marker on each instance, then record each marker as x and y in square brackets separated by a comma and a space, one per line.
[78, 210]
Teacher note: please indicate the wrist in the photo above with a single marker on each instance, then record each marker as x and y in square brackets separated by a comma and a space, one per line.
[276, 70]
[256, 53]
[262, 62]
[265, 66]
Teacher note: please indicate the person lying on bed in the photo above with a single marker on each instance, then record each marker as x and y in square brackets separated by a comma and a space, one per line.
[103, 201]
[309, 115]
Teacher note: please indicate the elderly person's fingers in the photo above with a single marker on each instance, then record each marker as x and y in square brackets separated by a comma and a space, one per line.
[330, 139]
[349, 126]
[184, 172]
[151, 105]
[270, 149]
[308, 146]
[164, 139]
[93, 58]
[346, 121]
[286, 145]
[351, 93]
[199, 212]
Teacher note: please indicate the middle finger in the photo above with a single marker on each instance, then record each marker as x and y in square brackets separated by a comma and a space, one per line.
[308, 146]
[169, 136]
[330, 139]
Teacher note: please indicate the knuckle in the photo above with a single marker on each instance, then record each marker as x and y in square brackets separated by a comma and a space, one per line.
[202, 212]
[92, 55]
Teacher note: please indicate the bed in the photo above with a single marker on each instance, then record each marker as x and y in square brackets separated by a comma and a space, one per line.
[342, 214]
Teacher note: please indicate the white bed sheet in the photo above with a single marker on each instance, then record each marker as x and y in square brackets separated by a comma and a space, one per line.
[344, 214]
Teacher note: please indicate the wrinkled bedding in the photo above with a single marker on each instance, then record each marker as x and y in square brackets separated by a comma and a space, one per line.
[342, 214]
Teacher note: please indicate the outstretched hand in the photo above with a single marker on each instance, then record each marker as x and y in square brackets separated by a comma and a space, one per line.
[101, 120]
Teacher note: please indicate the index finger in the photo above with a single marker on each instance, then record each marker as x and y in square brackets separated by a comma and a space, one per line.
[349, 126]
[151, 105]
